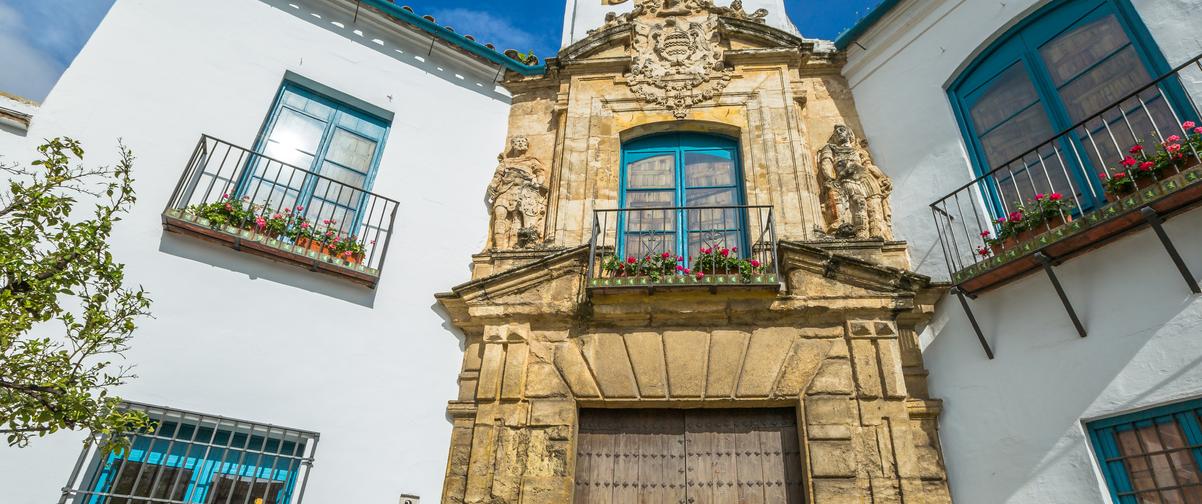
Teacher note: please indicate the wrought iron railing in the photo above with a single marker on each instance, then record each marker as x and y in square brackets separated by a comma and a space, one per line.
[281, 207]
[1074, 178]
[705, 245]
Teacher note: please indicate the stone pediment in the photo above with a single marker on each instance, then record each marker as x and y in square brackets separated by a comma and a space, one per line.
[821, 280]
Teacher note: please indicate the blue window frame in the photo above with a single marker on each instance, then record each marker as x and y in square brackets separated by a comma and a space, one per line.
[1153, 455]
[196, 458]
[686, 178]
[337, 144]
[1061, 66]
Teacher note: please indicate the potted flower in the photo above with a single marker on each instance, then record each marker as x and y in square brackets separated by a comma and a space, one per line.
[725, 261]
[1117, 185]
[350, 250]
[1053, 209]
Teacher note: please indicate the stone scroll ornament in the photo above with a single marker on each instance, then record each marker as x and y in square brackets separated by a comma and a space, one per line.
[855, 192]
[676, 52]
[517, 199]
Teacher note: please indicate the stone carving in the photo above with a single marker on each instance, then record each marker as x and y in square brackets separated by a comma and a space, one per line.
[517, 198]
[855, 192]
[677, 58]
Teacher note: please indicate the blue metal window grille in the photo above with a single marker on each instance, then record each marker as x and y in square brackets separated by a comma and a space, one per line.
[1153, 455]
[337, 142]
[681, 178]
[1053, 72]
[197, 458]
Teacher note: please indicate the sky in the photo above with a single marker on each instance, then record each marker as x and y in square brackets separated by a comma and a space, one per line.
[39, 38]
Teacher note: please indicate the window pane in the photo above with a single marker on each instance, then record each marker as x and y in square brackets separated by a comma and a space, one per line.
[1104, 84]
[650, 199]
[1016, 136]
[658, 172]
[708, 170]
[645, 244]
[1006, 95]
[351, 150]
[711, 197]
[714, 240]
[650, 220]
[313, 107]
[1074, 52]
[294, 138]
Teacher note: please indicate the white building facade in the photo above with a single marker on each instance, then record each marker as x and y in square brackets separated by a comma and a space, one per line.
[322, 351]
[1053, 417]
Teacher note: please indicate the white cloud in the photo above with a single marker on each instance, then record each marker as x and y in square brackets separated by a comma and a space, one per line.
[487, 27]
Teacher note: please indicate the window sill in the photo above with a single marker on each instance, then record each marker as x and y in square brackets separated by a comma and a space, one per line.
[764, 281]
[247, 241]
[1090, 232]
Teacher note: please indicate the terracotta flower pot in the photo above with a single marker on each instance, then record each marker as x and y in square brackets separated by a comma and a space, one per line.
[997, 248]
[1058, 221]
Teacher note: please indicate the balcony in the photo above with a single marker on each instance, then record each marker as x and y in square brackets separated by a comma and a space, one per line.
[260, 205]
[1130, 166]
[683, 247]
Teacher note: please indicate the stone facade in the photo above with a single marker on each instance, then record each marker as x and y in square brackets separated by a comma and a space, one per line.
[837, 342]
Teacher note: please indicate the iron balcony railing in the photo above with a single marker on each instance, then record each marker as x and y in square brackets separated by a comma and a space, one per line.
[700, 245]
[1073, 179]
[284, 208]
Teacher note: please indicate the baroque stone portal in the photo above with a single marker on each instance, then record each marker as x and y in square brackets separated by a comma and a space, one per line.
[517, 198]
[855, 196]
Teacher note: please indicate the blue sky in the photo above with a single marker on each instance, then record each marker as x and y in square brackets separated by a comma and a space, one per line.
[39, 38]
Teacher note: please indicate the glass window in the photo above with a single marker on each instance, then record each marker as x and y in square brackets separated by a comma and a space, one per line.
[1068, 64]
[319, 155]
[1152, 456]
[197, 458]
[689, 178]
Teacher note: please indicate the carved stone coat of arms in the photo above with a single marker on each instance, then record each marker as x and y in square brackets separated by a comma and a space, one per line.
[677, 58]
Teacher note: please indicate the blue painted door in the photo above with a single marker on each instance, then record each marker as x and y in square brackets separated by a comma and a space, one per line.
[689, 190]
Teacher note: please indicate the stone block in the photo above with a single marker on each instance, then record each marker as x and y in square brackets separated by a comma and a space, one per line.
[686, 353]
[834, 377]
[766, 353]
[829, 410]
[552, 412]
[800, 366]
[828, 432]
[647, 359]
[892, 375]
[606, 356]
[515, 371]
[832, 459]
[575, 371]
[868, 374]
[491, 368]
[726, 360]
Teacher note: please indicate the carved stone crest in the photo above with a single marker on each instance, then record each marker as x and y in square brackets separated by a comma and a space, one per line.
[517, 198]
[677, 58]
[855, 192]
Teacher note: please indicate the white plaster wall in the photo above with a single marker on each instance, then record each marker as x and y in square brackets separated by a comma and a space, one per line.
[1012, 428]
[580, 16]
[243, 337]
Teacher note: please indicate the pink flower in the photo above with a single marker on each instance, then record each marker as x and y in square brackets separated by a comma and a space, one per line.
[986, 234]
[983, 251]
[755, 263]
[260, 222]
[1171, 148]
[1016, 216]
[1056, 196]
[734, 249]
[326, 221]
[1172, 139]
[700, 275]
[1104, 176]
[1198, 130]
[1146, 166]
[679, 258]
[225, 196]
[706, 250]
[1188, 125]
[300, 208]
[725, 252]
[1120, 175]
[277, 216]
[1001, 220]
[679, 268]
[686, 271]
[666, 255]
[229, 207]
[1039, 197]
[631, 260]
[1136, 149]
[1128, 161]
[304, 225]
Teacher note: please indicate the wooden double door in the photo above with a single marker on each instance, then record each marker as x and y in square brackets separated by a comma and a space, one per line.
[694, 456]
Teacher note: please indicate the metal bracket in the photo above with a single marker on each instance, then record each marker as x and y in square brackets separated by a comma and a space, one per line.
[1157, 224]
[1068, 306]
[972, 319]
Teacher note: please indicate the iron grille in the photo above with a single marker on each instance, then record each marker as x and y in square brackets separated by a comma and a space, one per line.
[197, 458]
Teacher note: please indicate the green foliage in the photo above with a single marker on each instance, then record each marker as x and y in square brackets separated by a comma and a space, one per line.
[56, 265]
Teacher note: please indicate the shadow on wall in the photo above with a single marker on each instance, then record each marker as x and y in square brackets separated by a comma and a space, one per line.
[257, 268]
[408, 51]
[1026, 407]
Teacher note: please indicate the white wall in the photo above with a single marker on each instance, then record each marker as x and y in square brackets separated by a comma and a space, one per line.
[580, 16]
[239, 336]
[1013, 427]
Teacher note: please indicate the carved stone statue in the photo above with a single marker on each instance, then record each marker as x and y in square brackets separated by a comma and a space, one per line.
[855, 192]
[517, 198]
